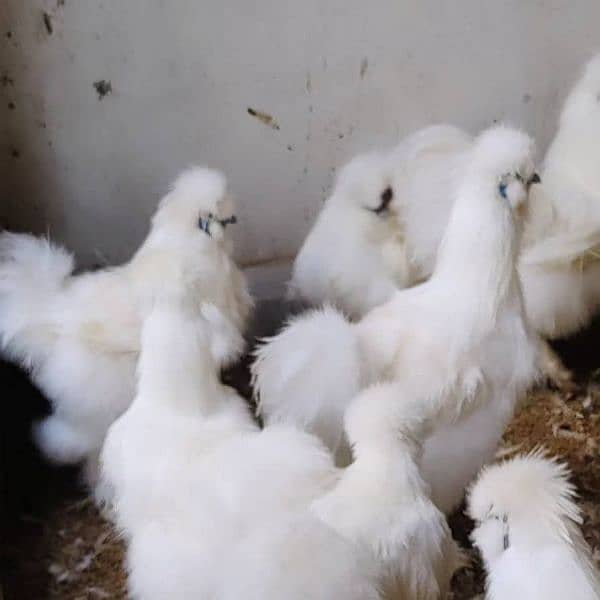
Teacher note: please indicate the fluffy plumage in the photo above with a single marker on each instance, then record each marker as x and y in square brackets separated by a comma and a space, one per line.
[427, 167]
[354, 255]
[184, 461]
[527, 529]
[79, 334]
[381, 501]
[560, 263]
[460, 334]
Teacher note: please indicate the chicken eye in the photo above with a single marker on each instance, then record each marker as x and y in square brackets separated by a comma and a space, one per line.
[204, 224]
[386, 197]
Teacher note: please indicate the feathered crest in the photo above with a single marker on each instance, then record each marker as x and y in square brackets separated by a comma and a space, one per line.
[533, 486]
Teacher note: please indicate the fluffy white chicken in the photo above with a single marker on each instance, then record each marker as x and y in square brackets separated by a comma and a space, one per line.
[78, 335]
[527, 530]
[200, 493]
[559, 263]
[381, 501]
[462, 333]
[354, 255]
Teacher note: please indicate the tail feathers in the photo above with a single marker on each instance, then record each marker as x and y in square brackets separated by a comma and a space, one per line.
[579, 247]
[32, 271]
[308, 374]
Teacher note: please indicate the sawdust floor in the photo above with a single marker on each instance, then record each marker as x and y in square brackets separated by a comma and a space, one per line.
[56, 545]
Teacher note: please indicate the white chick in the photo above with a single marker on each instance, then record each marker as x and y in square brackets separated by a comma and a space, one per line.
[354, 256]
[200, 493]
[462, 331]
[78, 335]
[527, 530]
[381, 501]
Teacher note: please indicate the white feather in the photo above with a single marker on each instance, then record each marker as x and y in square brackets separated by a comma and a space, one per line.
[462, 333]
[353, 257]
[528, 532]
[79, 335]
[381, 501]
[201, 493]
[560, 263]
[560, 267]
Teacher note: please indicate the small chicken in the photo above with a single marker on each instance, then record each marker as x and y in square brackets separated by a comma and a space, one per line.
[560, 252]
[183, 463]
[180, 412]
[78, 335]
[461, 333]
[527, 530]
[381, 501]
[354, 255]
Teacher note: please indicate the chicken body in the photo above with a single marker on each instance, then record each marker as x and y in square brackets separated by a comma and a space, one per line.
[463, 332]
[559, 262]
[78, 335]
[381, 501]
[200, 492]
[354, 256]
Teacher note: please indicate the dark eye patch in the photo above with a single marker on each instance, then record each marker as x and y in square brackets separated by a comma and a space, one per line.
[386, 197]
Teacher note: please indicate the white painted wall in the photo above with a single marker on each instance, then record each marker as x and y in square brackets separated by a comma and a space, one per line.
[338, 76]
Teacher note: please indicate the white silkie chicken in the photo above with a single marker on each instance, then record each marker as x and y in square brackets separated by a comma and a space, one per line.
[78, 335]
[381, 501]
[463, 332]
[201, 493]
[560, 252]
[527, 530]
[379, 506]
[354, 255]
[211, 507]
[560, 262]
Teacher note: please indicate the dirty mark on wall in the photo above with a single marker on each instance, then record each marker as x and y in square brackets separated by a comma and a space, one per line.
[48, 23]
[264, 117]
[364, 67]
[103, 88]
